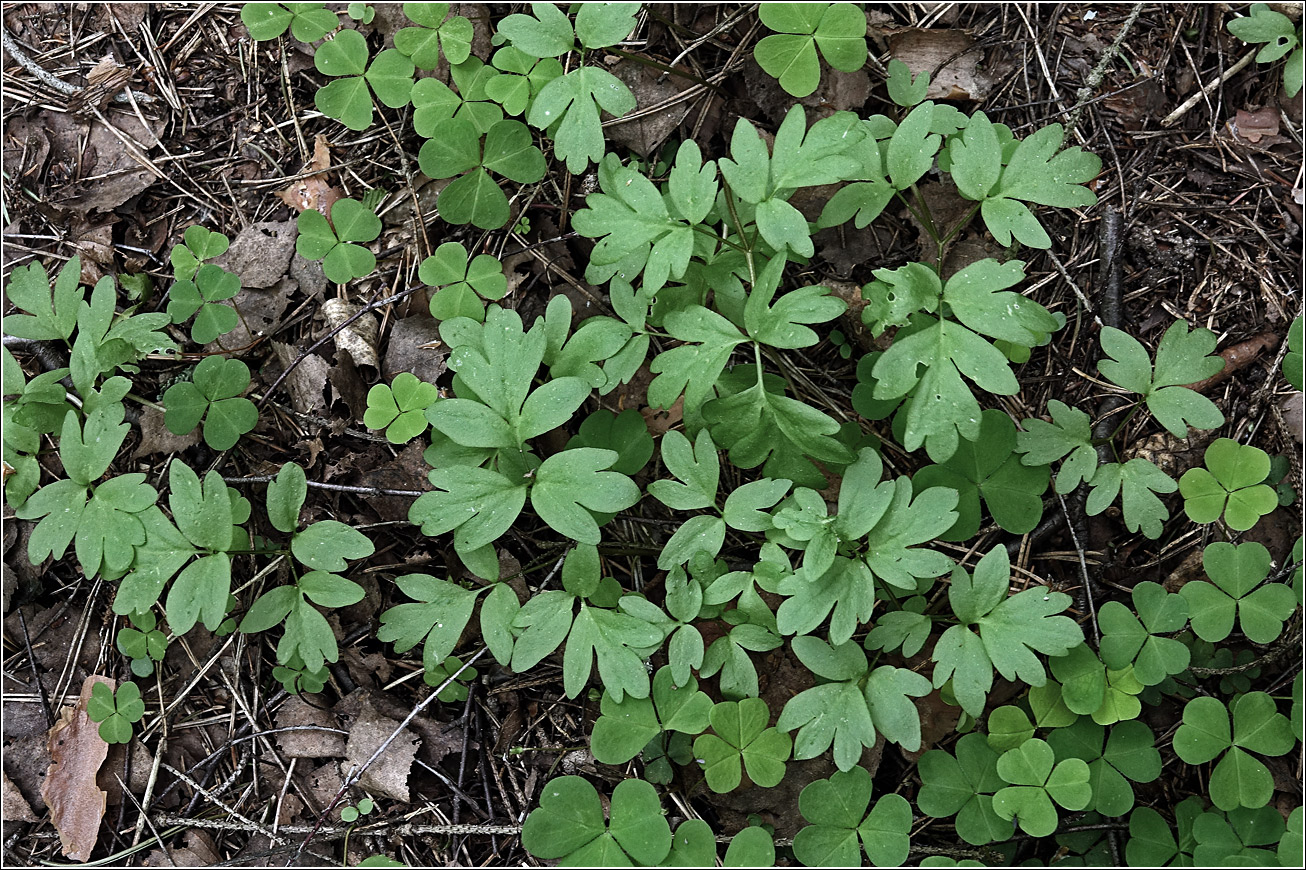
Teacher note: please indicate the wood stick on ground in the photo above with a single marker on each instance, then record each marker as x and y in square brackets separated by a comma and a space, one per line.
[1187, 105]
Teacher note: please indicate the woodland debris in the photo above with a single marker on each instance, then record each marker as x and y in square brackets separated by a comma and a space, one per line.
[76, 803]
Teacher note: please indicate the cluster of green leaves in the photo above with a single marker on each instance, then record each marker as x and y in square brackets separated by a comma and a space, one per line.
[200, 288]
[1182, 357]
[324, 548]
[699, 256]
[1265, 25]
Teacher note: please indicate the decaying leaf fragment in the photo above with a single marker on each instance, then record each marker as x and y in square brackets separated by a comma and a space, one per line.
[76, 803]
[359, 337]
[313, 190]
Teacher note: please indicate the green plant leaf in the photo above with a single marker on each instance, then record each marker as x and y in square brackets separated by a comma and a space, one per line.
[477, 504]
[569, 483]
[569, 825]
[1067, 437]
[964, 785]
[940, 408]
[613, 638]
[1233, 487]
[631, 218]
[988, 469]
[742, 736]
[1237, 573]
[1239, 779]
[1136, 482]
[307, 22]
[626, 433]
[599, 25]
[1126, 640]
[329, 545]
[1011, 629]
[572, 102]
[441, 612]
[52, 312]
[697, 465]
[547, 34]
[1182, 357]
[903, 89]
[836, 808]
[1037, 173]
[789, 55]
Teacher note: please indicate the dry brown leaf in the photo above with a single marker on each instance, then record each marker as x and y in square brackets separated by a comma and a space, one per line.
[307, 381]
[1254, 126]
[923, 50]
[261, 254]
[198, 851]
[320, 737]
[104, 80]
[388, 775]
[359, 338]
[415, 346]
[76, 803]
[13, 806]
[314, 191]
[158, 438]
[652, 88]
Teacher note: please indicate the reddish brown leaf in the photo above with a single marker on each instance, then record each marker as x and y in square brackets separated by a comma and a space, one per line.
[76, 803]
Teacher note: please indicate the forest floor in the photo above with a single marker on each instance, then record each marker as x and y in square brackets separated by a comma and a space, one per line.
[1201, 207]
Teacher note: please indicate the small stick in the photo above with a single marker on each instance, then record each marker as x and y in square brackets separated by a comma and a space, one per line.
[1184, 107]
[1095, 77]
[50, 80]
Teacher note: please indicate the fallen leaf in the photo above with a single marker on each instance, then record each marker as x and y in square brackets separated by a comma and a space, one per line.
[946, 56]
[359, 338]
[261, 254]
[652, 88]
[307, 381]
[314, 191]
[1293, 408]
[105, 79]
[1254, 126]
[318, 731]
[197, 851]
[388, 775]
[415, 346]
[76, 803]
[13, 806]
[158, 438]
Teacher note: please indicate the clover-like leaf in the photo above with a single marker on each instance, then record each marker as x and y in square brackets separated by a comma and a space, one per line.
[214, 395]
[569, 825]
[1237, 572]
[1239, 779]
[789, 55]
[741, 735]
[837, 810]
[1233, 487]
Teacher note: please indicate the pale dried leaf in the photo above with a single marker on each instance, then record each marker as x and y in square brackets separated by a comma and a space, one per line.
[158, 438]
[923, 50]
[321, 737]
[13, 806]
[388, 775]
[359, 338]
[76, 803]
